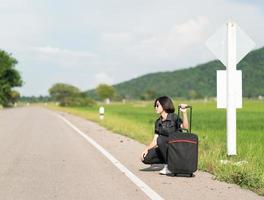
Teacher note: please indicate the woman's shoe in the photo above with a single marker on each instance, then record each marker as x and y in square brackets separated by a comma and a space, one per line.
[165, 170]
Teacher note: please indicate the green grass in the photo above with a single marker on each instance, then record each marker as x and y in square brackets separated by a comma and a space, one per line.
[136, 120]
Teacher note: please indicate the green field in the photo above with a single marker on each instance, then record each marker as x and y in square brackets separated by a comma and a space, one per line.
[136, 120]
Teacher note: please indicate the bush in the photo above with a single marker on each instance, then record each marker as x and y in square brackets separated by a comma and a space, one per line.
[78, 101]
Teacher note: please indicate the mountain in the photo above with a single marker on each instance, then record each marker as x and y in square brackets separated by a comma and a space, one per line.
[195, 82]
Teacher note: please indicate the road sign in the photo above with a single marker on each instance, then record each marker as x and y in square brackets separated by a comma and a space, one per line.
[230, 44]
[222, 91]
[218, 42]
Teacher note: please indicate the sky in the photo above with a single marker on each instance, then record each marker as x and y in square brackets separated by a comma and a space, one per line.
[85, 43]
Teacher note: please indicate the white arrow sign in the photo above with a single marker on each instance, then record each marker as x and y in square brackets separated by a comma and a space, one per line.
[230, 44]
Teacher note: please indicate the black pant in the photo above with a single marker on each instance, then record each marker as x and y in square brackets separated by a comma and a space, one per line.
[158, 155]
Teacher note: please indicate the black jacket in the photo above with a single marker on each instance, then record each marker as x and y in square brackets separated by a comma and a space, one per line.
[171, 124]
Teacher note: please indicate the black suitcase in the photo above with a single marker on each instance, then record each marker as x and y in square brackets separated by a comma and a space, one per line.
[183, 151]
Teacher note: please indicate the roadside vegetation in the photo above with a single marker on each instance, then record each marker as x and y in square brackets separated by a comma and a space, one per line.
[9, 79]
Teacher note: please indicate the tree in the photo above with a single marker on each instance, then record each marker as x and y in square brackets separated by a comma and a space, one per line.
[14, 96]
[69, 95]
[9, 78]
[79, 101]
[193, 94]
[105, 91]
[61, 91]
[149, 94]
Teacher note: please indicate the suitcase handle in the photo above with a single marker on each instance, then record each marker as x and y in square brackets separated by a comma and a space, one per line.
[190, 121]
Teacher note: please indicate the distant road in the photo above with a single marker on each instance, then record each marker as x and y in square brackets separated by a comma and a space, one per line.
[42, 157]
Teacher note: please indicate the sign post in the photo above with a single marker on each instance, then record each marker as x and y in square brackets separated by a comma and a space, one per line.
[231, 106]
[230, 44]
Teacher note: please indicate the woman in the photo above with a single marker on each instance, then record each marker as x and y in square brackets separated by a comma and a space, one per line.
[168, 122]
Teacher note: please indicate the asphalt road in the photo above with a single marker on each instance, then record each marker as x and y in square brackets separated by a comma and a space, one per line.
[42, 157]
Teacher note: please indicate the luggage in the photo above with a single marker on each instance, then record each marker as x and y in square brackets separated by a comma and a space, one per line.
[183, 151]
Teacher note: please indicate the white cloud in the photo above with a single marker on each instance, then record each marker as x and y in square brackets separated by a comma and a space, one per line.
[103, 78]
[152, 49]
[62, 52]
[14, 4]
[61, 58]
[117, 38]
[190, 31]
[181, 37]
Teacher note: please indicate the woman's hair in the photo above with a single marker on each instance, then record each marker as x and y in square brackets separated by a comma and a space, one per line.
[166, 104]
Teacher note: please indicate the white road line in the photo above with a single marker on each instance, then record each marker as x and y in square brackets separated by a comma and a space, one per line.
[143, 186]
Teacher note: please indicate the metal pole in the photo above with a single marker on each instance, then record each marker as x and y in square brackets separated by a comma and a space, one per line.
[231, 101]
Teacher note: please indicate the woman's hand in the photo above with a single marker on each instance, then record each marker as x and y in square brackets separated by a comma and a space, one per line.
[150, 146]
[144, 153]
[183, 107]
